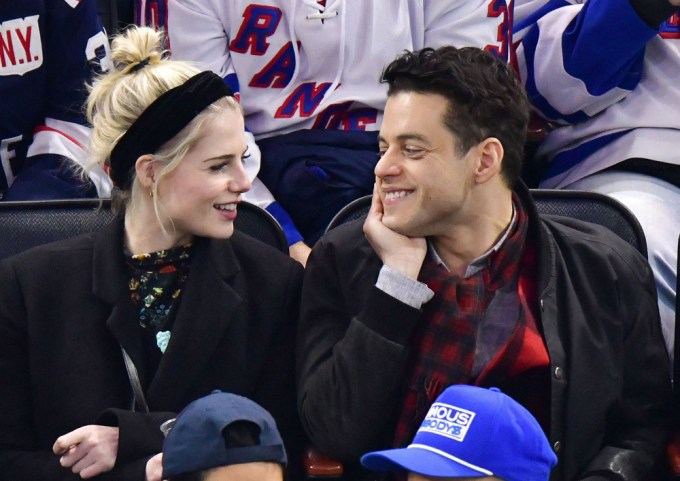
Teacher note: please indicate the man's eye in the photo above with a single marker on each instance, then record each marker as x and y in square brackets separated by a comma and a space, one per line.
[381, 153]
[413, 151]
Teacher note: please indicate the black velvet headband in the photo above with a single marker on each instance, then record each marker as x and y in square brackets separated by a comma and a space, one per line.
[162, 120]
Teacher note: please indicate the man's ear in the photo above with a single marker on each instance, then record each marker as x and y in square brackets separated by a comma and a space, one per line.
[145, 168]
[490, 153]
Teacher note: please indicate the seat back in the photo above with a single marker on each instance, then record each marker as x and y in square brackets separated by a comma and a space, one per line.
[588, 206]
[593, 207]
[32, 223]
[355, 210]
[261, 225]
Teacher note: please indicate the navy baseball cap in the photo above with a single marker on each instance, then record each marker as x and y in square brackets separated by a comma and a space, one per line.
[195, 441]
[473, 432]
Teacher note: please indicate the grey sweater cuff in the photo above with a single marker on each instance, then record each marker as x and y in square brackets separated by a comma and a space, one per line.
[403, 288]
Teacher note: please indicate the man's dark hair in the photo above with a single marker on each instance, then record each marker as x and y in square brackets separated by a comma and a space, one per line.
[485, 97]
[239, 434]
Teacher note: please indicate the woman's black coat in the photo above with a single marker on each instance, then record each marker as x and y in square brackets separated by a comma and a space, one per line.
[65, 313]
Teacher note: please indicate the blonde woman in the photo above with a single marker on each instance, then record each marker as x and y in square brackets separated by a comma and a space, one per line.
[105, 336]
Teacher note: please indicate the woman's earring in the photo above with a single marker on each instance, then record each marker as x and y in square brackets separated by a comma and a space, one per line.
[151, 192]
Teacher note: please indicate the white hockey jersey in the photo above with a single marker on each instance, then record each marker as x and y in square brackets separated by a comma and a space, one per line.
[301, 64]
[608, 81]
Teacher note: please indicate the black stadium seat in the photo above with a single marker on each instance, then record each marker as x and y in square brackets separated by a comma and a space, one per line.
[32, 223]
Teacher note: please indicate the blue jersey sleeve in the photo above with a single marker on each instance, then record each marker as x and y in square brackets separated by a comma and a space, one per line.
[578, 59]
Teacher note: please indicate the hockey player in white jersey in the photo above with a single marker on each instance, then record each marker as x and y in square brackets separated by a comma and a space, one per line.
[605, 73]
[48, 50]
[307, 73]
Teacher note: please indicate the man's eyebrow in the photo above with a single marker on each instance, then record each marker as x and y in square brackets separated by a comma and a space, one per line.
[406, 137]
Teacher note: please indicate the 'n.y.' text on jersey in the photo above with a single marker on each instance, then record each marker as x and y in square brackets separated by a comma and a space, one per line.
[20, 46]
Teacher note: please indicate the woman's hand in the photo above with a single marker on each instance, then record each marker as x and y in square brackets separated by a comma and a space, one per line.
[88, 451]
[154, 468]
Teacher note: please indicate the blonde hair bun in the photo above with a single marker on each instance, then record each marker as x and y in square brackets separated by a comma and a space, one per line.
[137, 45]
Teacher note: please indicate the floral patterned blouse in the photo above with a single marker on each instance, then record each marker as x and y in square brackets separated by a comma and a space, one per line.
[156, 283]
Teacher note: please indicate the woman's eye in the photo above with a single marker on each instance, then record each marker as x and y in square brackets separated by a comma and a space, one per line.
[218, 167]
[244, 158]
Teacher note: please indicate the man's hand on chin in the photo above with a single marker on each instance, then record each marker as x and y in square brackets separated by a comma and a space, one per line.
[401, 253]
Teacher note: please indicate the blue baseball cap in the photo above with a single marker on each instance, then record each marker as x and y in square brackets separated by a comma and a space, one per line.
[195, 441]
[473, 432]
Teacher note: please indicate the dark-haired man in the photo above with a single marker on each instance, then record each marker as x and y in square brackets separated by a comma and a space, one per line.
[455, 278]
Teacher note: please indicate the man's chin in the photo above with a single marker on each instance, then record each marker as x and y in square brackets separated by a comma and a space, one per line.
[400, 227]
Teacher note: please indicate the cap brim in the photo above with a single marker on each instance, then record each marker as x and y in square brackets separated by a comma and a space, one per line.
[419, 461]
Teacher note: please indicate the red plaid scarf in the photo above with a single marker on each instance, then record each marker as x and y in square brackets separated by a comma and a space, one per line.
[520, 368]
[443, 347]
